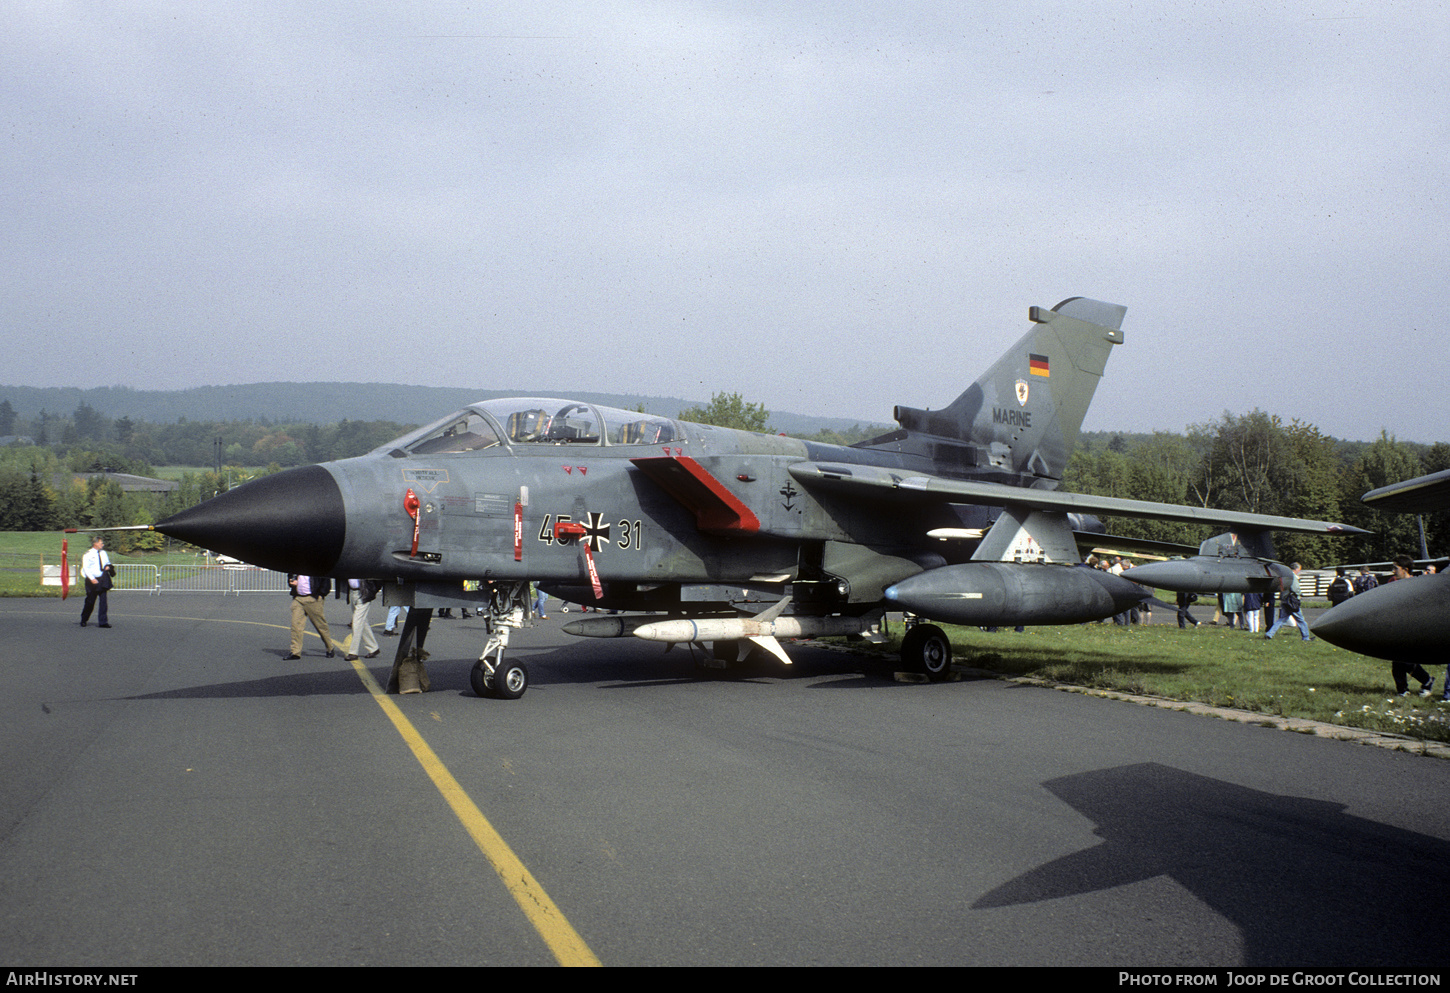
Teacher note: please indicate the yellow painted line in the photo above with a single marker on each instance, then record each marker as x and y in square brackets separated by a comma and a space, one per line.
[568, 948]
[547, 919]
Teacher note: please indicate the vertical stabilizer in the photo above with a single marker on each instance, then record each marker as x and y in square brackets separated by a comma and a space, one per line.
[1022, 417]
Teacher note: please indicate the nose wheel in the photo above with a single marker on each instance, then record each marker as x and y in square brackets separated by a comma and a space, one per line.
[491, 675]
[506, 680]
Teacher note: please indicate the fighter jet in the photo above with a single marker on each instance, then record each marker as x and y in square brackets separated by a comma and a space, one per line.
[706, 534]
[1407, 620]
[1226, 563]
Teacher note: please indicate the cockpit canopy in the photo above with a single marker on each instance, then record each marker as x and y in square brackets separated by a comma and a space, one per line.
[536, 421]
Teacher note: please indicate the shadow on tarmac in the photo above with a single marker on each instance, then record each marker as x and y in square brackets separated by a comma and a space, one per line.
[1281, 868]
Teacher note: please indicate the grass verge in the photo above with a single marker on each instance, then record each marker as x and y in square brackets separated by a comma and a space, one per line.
[1285, 677]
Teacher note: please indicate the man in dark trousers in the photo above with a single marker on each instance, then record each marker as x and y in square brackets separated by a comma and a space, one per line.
[1403, 670]
[308, 595]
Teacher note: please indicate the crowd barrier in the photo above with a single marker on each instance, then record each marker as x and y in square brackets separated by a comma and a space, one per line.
[158, 579]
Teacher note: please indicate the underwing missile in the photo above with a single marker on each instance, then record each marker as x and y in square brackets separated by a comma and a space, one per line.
[1204, 574]
[1002, 593]
[610, 626]
[738, 628]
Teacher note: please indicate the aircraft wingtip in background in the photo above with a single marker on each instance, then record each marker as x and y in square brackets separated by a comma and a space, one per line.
[1423, 494]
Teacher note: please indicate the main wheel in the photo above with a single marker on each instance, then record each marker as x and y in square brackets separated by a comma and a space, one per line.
[510, 680]
[926, 649]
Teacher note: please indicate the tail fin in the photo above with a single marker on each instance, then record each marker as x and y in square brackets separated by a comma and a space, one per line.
[1022, 417]
[1240, 544]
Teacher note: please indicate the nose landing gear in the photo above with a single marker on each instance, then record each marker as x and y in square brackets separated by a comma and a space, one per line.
[491, 676]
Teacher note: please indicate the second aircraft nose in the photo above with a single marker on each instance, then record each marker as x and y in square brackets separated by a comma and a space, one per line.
[293, 521]
[1405, 621]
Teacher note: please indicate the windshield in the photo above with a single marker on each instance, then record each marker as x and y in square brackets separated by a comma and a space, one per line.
[466, 431]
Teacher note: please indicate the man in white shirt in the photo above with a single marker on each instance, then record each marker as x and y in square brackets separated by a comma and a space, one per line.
[94, 566]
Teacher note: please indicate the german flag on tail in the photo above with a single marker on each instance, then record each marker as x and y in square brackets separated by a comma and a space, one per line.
[1037, 365]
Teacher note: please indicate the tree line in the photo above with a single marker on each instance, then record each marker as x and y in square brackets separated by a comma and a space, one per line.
[41, 491]
[1255, 462]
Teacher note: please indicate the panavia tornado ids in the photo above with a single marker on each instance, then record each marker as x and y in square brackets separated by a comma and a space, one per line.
[704, 534]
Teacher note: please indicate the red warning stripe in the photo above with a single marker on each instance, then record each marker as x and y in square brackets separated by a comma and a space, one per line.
[715, 508]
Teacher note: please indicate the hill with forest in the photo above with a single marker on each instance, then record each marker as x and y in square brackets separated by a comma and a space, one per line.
[329, 403]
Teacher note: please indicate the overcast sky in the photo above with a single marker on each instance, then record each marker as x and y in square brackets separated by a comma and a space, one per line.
[829, 208]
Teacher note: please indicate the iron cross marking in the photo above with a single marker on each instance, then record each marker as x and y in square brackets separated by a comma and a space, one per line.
[596, 532]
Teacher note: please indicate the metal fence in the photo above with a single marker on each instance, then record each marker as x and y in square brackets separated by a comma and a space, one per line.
[21, 573]
[238, 579]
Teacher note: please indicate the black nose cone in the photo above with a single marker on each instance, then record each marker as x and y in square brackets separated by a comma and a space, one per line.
[292, 521]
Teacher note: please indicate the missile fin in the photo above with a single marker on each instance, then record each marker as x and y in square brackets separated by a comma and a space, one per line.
[772, 646]
[772, 612]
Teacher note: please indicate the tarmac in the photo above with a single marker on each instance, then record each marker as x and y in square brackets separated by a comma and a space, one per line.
[174, 792]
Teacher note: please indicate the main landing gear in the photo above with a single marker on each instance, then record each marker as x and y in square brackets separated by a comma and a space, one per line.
[926, 649]
[491, 674]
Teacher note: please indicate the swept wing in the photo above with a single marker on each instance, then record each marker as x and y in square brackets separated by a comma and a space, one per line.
[875, 481]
